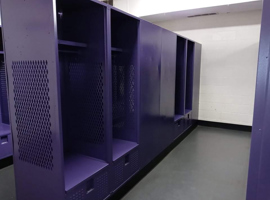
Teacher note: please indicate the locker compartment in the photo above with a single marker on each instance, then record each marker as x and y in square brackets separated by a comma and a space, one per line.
[83, 72]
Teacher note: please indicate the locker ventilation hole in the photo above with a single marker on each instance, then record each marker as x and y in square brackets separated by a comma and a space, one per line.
[131, 85]
[86, 85]
[4, 96]
[79, 195]
[123, 93]
[118, 173]
[32, 112]
[134, 162]
[102, 186]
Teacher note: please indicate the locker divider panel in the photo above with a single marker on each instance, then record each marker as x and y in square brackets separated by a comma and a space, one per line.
[167, 87]
[150, 61]
[31, 60]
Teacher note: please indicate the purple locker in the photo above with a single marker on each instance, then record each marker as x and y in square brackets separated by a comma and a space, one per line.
[59, 98]
[125, 92]
[190, 91]
[180, 83]
[91, 92]
[5, 141]
[187, 85]
[3, 91]
[5, 132]
[189, 77]
[85, 93]
[180, 86]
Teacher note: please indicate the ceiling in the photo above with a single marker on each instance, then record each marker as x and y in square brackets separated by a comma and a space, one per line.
[241, 7]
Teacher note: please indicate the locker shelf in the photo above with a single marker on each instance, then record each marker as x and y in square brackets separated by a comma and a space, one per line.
[71, 43]
[78, 168]
[177, 117]
[114, 49]
[71, 52]
[121, 147]
[2, 52]
[4, 129]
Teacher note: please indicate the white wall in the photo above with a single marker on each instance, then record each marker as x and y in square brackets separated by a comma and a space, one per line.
[151, 7]
[230, 44]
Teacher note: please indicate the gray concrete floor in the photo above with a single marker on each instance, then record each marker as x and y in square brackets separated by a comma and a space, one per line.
[210, 164]
[7, 184]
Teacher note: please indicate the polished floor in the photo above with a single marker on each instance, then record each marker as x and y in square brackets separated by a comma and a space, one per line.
[210, 164]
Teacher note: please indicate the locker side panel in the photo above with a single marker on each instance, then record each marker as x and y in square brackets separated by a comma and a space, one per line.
[167, 87]
[32, 67]
[150, 51]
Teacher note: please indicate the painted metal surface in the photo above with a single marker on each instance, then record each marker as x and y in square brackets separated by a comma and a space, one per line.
[31, 52]
[180, 83]
[167, 88]
[6, 145]
[5, 141]
[125, 96]
[259, 177]
[125, 68]
[150, 61]
[189, 76]
[86, 97]
[64, 95]
[84, 74]
[3, 92]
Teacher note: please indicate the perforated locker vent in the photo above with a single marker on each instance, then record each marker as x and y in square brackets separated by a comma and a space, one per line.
[32, 112]
[102, 186]
[86, 89]
[118, 172]
[3, 94]
[79, 195]
[123, 85]
[134, 162]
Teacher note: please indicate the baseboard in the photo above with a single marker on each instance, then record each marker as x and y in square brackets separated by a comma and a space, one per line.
[225, 126]
[119, 194]
[6, 162]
